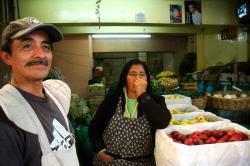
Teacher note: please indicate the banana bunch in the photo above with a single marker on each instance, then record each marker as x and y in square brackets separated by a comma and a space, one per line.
[198, 119]
[201, 118]
[174, 97]
[168, 82]
[166, 74]
[176, 111]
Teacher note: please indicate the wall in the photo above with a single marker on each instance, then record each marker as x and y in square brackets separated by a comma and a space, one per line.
[214, 12]
[219, 52]
[219, 12]
[72, 57]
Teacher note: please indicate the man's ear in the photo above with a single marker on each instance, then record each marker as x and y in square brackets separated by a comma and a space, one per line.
[5, 56]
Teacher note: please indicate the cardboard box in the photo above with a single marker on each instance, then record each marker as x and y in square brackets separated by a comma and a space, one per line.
[192, 85]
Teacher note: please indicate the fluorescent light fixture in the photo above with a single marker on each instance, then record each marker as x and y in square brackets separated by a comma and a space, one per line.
[121, 36]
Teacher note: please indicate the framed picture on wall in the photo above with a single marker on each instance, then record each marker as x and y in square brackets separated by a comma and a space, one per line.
[176, 13]
[193, 12]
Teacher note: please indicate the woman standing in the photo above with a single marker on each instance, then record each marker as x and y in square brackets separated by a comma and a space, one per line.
[122, 131]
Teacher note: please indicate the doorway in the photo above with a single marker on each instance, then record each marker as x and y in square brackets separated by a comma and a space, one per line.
[113, 62]
[160, 61]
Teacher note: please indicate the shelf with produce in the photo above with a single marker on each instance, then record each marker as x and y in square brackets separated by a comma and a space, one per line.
[165, 80]
[230, 100]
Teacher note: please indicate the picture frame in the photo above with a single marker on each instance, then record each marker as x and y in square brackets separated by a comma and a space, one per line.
[175, 13]
[193, 13]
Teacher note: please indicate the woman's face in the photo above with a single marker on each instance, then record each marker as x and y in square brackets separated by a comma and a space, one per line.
[135, 72]
[176, 12]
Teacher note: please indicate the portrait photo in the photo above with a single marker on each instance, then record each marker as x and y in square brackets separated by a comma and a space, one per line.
[176, 13]
[193, 12]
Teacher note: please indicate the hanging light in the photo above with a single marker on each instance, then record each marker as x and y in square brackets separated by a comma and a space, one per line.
[121, 36]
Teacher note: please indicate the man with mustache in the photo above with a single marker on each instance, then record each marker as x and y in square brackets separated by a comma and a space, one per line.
[34, 129]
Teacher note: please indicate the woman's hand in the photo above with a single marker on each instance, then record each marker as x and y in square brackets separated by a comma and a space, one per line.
[140, 86]
[105, 157]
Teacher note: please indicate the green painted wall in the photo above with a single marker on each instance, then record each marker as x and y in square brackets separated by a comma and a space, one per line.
[214, 12]
[118, 16]
[220, 52]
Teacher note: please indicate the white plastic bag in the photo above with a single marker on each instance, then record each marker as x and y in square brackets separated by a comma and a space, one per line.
[184, 107]
[182, 100]
[169, 153]
[208, 116]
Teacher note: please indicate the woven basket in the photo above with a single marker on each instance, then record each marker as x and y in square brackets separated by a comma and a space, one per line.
[200, 102]
[230, 104]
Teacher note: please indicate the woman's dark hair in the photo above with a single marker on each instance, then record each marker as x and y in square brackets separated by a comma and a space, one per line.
[123, 77]
[176, 7]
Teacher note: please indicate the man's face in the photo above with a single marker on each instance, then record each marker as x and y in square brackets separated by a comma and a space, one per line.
[191, 8]
[31, 57]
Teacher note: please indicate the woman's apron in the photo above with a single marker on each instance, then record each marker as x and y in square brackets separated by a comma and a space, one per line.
[130, 141]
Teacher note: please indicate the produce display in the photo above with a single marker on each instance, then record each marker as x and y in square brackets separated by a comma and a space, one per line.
[165, 74]
[158, 89]
[208, 137]
[174, 97]
[168, 82]
[198, 119]
[186, 110]
[79, 111]
[230, 96]
[230, 100]
[176, 111]
[177, 99]
[203, 144]
[221, 141]
[165, 80]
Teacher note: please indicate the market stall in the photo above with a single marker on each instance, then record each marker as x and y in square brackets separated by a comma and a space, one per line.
[198, 134]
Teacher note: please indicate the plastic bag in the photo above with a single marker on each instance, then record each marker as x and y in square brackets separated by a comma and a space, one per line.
[169, 153]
